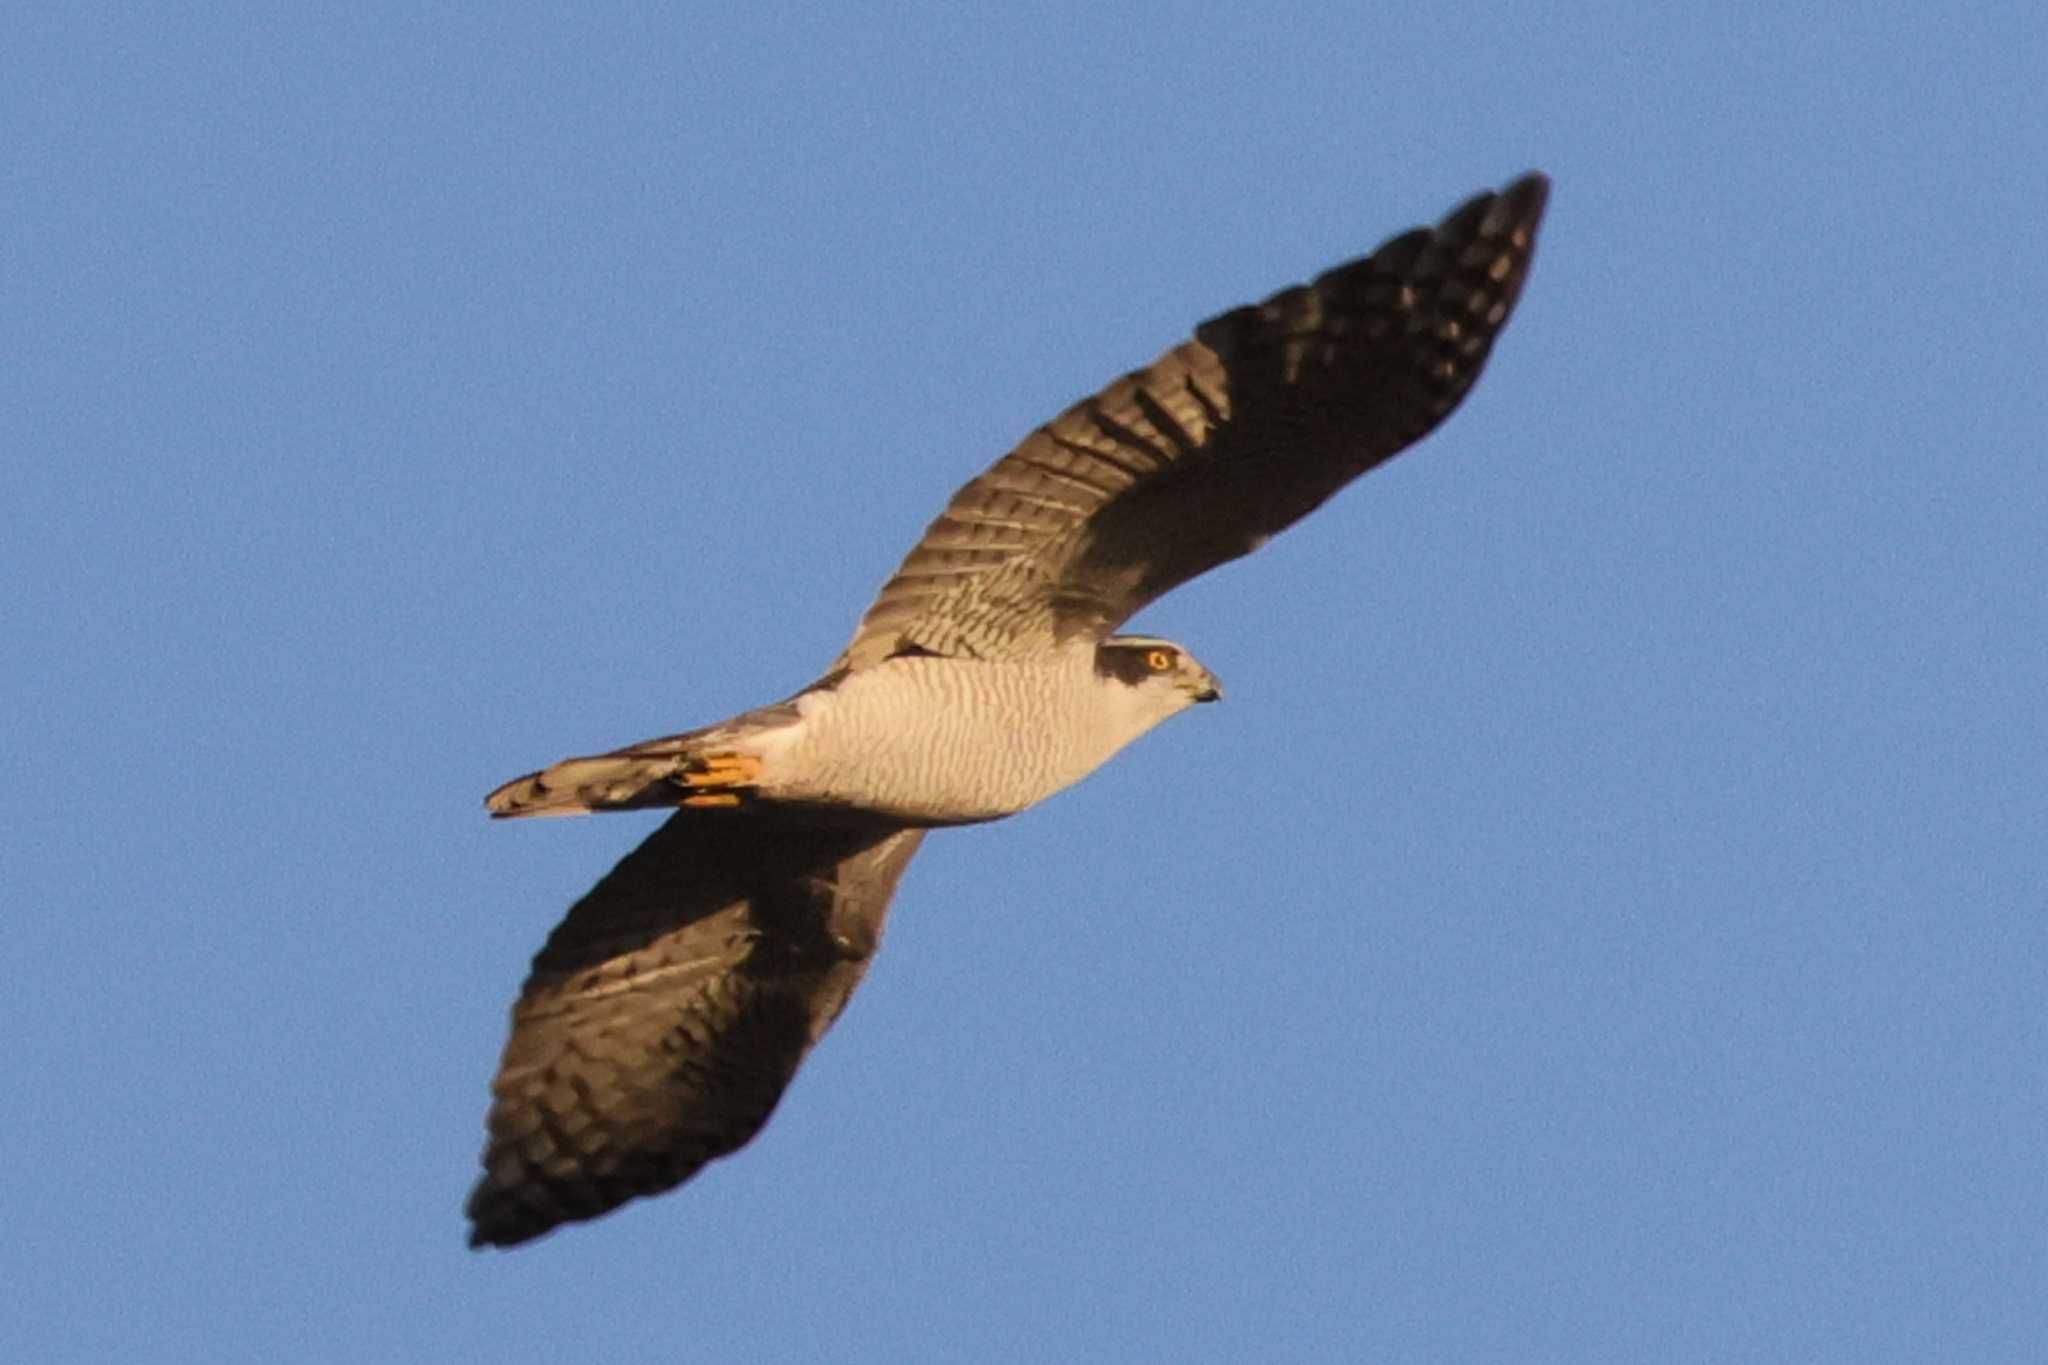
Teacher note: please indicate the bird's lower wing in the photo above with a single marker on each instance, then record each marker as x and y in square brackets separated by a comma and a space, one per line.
[668, 1012]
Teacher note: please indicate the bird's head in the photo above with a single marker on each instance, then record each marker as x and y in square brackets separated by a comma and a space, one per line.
[1156, 677]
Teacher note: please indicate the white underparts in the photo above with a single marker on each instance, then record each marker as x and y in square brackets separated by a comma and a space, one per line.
[936, 740]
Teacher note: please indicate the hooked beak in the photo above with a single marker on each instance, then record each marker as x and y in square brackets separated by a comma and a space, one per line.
[1208, 689]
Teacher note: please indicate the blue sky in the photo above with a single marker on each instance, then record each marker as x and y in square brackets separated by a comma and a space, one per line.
[1605, 922]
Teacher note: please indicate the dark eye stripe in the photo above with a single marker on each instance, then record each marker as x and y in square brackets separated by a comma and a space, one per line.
[1132, 664]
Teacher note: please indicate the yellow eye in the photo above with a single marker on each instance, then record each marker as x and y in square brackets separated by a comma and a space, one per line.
[1159, 660]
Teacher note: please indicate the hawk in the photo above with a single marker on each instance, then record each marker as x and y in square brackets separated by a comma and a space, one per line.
[666, 1015]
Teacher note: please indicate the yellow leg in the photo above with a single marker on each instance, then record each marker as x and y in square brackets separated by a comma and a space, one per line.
[724, 770]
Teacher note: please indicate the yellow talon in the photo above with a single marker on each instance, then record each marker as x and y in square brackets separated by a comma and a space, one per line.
[712, 799]
[724, 770]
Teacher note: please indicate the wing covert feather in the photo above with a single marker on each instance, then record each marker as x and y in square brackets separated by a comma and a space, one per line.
[1224, 441]
[666, 1015]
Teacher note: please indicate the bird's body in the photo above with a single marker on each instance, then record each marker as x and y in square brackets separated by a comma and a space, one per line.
[669, 1010]
[918, 739]
[976, 742]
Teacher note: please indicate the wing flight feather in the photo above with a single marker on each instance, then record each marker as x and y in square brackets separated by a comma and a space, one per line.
[1224, 441]
[666, 1015]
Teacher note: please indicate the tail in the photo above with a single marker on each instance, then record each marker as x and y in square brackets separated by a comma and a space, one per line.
[661, 772]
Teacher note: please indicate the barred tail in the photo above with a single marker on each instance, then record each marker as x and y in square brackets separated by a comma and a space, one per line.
[644, 775]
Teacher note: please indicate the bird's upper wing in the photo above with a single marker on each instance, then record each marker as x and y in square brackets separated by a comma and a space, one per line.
[1224, 441]
[667, 1013]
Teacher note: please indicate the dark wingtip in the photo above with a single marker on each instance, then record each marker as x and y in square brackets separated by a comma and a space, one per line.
[1520, 202]
[1528, 196]
[496, 1219]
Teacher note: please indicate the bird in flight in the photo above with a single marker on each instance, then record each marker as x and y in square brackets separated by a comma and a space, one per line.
[666, 1015]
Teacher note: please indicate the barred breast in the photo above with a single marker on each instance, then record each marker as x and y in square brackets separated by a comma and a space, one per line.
[948, 741]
